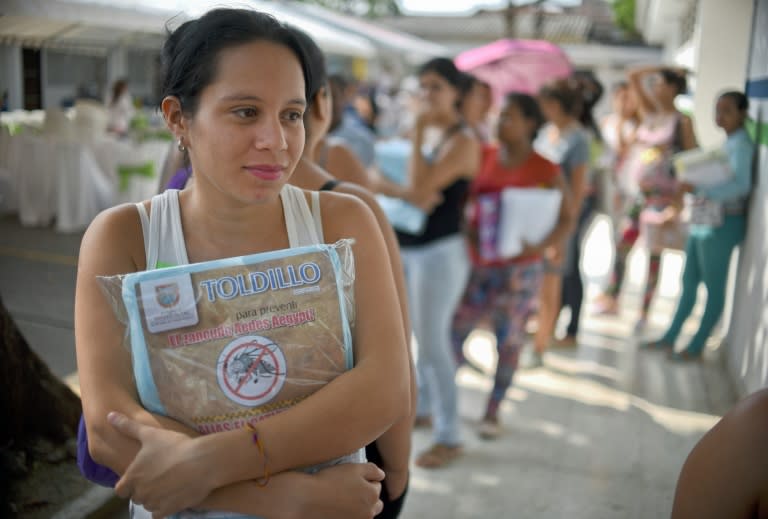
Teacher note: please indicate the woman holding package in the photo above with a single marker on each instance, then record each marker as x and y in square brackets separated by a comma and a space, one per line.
[653, 201]
[718, 224]
[565, 142]
[234, 95]
[436, 262]
[505, 290]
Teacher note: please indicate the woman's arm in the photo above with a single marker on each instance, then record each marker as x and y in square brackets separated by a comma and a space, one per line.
[112, 245]
[459, 157]
[687, 134]
[395, 444]
[566, 217]
[636, 77]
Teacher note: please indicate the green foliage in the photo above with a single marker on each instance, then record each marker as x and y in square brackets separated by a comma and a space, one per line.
[368, 8]
[624, 10]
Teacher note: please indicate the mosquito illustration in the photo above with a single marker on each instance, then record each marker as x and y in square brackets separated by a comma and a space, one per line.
[251, 364]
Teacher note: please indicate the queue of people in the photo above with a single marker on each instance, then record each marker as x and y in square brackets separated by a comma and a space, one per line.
[263, 128]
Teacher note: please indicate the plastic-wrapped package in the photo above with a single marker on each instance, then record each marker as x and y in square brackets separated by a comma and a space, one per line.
[219, 344]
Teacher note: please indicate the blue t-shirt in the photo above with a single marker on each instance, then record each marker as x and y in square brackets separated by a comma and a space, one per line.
[569, 150]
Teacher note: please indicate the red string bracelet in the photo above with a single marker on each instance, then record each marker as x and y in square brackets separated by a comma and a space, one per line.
[262, 482]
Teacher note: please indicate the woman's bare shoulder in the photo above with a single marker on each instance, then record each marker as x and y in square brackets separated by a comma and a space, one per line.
[115, 236]
[345, 213]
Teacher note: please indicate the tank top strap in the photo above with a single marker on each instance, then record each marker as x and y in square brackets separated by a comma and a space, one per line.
[165, 244]
[301, 222]
[144, 218]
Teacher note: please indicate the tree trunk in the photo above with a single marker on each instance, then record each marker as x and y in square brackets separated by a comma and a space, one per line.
[34, 403]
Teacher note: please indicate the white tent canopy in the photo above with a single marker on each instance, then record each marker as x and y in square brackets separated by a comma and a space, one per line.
[411, 48]
[97, 26]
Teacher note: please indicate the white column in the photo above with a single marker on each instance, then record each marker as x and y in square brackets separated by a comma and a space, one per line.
[723, 38]
[11, 78]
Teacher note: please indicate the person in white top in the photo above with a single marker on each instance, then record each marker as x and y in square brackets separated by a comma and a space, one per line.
[234, 95]
[120, 108]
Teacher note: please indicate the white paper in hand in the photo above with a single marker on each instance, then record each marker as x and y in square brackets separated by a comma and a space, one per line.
[528, 215]
[702, 168]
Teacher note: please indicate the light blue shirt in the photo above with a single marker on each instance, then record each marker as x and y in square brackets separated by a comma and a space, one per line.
[740, 150]
[569, 151]
[360, 139]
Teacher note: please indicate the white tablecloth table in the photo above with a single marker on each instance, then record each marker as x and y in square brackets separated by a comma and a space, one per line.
[71, 181]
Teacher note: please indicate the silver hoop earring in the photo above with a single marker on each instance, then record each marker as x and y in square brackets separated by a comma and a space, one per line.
[181, 146]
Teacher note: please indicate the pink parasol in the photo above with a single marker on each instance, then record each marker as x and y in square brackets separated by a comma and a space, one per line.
[515, 65]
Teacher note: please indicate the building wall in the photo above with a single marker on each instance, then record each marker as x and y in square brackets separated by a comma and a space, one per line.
[747, 342]
[720, 62]
[10, 75]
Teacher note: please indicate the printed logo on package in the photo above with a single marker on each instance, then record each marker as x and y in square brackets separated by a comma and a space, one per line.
[169, 303]
[167, 295]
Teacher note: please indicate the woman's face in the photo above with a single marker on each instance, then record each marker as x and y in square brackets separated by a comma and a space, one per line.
[551, 109]
[248, 134]
[476, 104]
[513, 127]
[437, 94]
[727, 115]
[662, 90]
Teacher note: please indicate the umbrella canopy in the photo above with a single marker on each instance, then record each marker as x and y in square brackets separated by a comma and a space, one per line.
[515, 65]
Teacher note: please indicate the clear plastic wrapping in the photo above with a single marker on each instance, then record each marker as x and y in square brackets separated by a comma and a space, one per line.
[221, 343]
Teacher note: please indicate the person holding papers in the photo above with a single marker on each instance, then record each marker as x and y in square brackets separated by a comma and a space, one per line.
[235, 89]
[718, 224]
[504, 288]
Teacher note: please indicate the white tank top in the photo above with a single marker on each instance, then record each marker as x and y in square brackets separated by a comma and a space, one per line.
[164, 244]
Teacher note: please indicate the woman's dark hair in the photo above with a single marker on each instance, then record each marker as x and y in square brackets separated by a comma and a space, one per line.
[120, 86]
[446, 69]
[591, 92]
[739, 99]
[315, 62]
[567, 93]
[190, 53]
[529, 108]
[674, 78]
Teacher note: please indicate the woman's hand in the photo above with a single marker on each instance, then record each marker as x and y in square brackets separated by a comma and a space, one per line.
[669, 217]
[168, 474]
[349, 490]
[554, 255]
[424, 199]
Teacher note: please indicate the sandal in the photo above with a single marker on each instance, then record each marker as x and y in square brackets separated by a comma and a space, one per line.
[439, 455]
[489, 429]
[659, 345]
